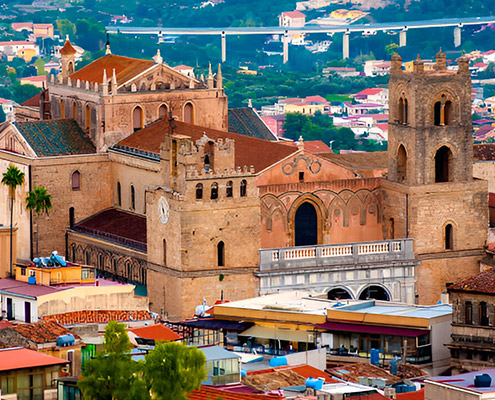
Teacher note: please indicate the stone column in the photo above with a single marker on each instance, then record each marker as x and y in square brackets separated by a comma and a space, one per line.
[403, 38]
[285, 41]
[457, 36]
[224, 47]
[345, 46]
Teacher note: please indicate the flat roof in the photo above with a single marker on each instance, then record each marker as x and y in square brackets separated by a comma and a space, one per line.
[466, 381]
[402, 310]
[11, 286]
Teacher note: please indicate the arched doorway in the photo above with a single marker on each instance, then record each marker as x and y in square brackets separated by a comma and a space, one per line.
[339, 294]
[306, 225]
[374, 292]
[443, 164]
[137, 118]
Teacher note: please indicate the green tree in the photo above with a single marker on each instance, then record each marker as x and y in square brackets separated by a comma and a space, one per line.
[3, 117]
[294, 124]
[65, 28]
[173, 369]
[39, 201]
[13, 178]
[391, 48]
[112, 374]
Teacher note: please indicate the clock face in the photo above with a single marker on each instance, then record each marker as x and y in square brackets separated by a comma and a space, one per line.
[163, 210]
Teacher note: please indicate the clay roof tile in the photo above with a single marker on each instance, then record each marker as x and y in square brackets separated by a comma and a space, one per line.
[67, 50]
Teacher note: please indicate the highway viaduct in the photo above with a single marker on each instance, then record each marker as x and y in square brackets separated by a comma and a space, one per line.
[285, 32]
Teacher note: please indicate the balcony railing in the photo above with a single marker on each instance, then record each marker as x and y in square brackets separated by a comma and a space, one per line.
[337, 254]
[112, 238]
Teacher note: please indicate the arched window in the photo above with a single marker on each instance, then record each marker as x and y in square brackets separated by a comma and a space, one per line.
[71, 67]
[163, 112]
[164, 252]
[88, 258]
[189, 113]
[214, 191]
[449, 237]
[87, 117]
[447, 111]
[119, 194]
[243, 188]
[62, 109]
[71, 217]
[221, 254]
[228, 189]
[73, 253]
[468, 313]
[484, 321]
[76, 180]
[133, 198]
[199, 191]
[437, 113]
[443, 164]
[209, 154]
[403, 111]
[401, 164]
[137, 118]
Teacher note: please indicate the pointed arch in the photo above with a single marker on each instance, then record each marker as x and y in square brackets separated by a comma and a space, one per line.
[319, 209]
[444, 164]
[401, 164]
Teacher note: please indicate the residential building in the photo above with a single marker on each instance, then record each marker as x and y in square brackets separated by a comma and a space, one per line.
[292, 19]
[376, 68]
[473, 322]
[28, 374]
[8, 108]
[186, 70]
[466, 386]
[275, 123]
[52, 275]
[37, 81]
[490, 104]
[344, 72]
[43, 30]
[22, 49]
[372, 95]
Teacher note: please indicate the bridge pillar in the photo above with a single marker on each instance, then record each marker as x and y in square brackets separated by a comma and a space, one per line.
[403, 38]
[345, 46]
[224, 48]
[457, 36]
[285, 41]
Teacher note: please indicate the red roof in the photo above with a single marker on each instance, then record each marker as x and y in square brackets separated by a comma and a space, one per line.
[67, 49]
[294, 14]
[316, 99]
[5, 324]
[208, 393]
[248, 150]
[316, 147]
[17, 43]
[481, 283]
[182, 66]
[17, 358]
[370, 92]
[156, 332]
[39, 78]
[417, 395]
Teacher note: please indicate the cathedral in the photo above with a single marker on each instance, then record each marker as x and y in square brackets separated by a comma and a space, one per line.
[149, 186]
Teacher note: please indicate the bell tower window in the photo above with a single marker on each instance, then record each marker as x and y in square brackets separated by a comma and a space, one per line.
[403, 111]
[443, 165]
[401, 164]
[449, 237]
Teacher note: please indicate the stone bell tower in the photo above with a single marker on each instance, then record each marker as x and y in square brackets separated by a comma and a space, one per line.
[430, 194]
[68, 55]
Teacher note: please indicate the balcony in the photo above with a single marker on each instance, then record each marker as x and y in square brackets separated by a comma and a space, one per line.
[337, 254]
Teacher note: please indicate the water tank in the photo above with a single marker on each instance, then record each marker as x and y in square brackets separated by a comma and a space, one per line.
[313, 383]
[66, 340]
[32, 280]
[393, 366]
[482, 380]
[278, 361]
[375, 357]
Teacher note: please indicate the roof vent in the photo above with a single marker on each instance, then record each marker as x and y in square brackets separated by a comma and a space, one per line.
[482, 380]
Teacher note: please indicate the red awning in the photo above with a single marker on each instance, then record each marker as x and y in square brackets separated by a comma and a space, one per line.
[381, 330]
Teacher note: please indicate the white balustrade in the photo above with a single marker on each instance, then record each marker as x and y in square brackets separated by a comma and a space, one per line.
[336, 251]
[297, 254]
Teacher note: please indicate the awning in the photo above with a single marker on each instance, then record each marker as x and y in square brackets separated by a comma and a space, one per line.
[381, 330]
[264, 332]
[217, 324]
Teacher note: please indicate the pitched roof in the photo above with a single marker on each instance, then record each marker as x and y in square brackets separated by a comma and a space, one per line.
[208, 392]
[156, 332]
[182, 66]
[41, 332]
[360, 161]
[294, 14]
[56, 137]
[125, 68]
[17, 358]
[98, 316]
[352, 372]
[481, 283]
[37, 78]
[9, 285]
[370, 91]
[67, 49]
[116, 226]
[246, 121]
[316, 147]
[248, 151]
[33, 101]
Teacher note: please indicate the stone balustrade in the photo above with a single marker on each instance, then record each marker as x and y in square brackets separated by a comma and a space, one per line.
[336, 254]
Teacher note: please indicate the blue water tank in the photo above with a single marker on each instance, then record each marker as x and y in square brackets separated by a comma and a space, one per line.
[375, 356]
[243, 372]
[278, 361]
[313, 383]
[482, 380]
[66, 340]
[32, 280]
[393, 366]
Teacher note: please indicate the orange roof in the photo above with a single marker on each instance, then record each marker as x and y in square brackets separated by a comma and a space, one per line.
[156, 332]
[67, 49]
[370, 91]
[294, 14]
[17, 358]
[208, 392]
[125, 68]
[307, 371]
[37, 78]
[316, 147]
[248, 151]
[417, 395]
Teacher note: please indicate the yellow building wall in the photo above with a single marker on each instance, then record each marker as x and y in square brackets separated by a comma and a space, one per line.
[5, 250]
[26, 54]
[304, 109]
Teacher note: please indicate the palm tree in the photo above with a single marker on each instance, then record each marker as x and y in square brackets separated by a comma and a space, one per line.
[13, 178]
[39, 201]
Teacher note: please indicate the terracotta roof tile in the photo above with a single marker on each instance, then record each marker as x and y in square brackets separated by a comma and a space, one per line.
[210, 393]
[99, 316]
[125, 68]
[352, 372]
[43, 331]
[481, 283]
[316, 147]
[484, 152]
[248, 151]
[417, 395]
[33, 101]
[67, 50]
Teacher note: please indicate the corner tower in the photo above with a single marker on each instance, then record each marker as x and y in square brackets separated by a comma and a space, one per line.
[430, 194]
